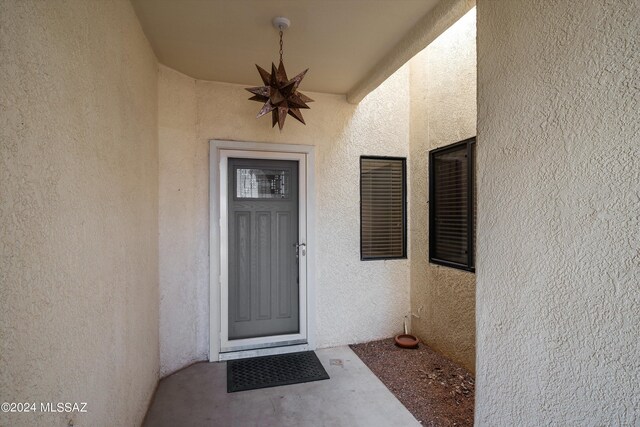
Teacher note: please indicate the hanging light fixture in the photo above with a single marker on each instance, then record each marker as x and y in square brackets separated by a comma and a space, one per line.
[279, 94]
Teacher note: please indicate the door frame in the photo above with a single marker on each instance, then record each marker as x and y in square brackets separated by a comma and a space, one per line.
[220, 347]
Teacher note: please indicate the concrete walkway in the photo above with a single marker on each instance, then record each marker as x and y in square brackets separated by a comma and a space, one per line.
[354, 396]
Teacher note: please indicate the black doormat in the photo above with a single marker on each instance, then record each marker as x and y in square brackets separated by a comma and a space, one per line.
[272, 371]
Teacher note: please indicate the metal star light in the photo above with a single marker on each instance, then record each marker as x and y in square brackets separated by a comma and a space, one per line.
[279, 94]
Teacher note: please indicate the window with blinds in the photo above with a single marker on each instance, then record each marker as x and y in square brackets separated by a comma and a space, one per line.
[452, 205]
[383, 219]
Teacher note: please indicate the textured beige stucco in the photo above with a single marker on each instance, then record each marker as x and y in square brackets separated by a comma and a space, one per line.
[444, 14]
[78, 211]
[183, 240]
[558, 277]
[355, 301]
[443, 111]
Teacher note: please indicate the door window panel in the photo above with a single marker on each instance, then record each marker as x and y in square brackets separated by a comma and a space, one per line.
[263, 183]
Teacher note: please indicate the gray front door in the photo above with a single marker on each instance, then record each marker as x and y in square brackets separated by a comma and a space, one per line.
[263, 262]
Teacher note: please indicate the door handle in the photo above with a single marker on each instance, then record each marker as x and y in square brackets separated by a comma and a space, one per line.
[301, 245]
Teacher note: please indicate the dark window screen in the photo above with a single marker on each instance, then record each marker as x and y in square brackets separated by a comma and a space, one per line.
[452, 205]
[382, 208]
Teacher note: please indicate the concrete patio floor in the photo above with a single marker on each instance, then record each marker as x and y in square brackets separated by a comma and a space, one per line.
[354, 396]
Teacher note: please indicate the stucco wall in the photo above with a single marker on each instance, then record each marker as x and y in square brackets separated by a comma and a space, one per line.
[184, 226]
[558, 215]
[78, 211]
[443, 111]
[355, 301]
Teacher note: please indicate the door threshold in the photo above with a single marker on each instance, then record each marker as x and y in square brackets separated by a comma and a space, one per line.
[245, 354]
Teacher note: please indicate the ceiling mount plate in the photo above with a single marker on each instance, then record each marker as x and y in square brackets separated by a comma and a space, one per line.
[281, 23]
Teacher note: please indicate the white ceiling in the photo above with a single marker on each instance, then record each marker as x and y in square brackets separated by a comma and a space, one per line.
[340, 41]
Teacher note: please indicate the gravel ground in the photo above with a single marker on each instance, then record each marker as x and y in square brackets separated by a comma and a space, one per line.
[433, 388]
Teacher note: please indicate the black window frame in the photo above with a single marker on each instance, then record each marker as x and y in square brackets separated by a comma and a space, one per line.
[471, 196]
[404, 208]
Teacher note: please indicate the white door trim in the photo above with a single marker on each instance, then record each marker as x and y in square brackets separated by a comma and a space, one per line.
[220, 347]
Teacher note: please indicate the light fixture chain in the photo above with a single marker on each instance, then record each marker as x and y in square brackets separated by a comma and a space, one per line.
[280, 45]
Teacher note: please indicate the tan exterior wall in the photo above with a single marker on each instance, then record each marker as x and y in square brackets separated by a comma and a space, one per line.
[184, 226]
[443, 111]
[78, 211]
[355, 301]
[558, 310]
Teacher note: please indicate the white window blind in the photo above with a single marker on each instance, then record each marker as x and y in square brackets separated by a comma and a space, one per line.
[382, 208]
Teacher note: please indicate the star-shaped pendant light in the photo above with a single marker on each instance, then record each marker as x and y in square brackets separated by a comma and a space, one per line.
[279, 94]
